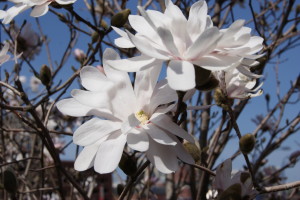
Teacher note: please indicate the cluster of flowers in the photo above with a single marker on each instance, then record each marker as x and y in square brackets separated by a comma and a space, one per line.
[138, 116]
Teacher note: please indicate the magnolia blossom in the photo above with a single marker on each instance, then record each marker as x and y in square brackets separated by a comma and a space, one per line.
[185, 43]
[40, 8]
[4, 57]
[125, 115]
[224, 180]
[237, 85]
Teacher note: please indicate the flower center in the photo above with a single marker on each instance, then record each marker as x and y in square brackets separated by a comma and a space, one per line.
[142, 117]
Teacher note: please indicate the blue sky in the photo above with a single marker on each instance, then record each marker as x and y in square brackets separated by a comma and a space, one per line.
[288, 70]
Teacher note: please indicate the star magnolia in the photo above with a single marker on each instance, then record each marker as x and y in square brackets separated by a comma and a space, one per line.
[169, 36]
[133, 116]
[40, 8]
[238, 85]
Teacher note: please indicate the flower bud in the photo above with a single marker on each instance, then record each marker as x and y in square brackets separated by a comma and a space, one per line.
[95, 36]
[221, 99]
[10, 182]
[234, 192]
[119, 19]
[128, 164]
[79, 55]
[298, 9]
[247, 143]
[45, 75]
[193, 150]
[202, 76]
[210, 85]
[104, 25]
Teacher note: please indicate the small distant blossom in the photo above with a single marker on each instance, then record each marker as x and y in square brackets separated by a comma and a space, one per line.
[224, 180]
[136, 116]
[238, 85]
[28, 42]
[184, 43]
[40, 8]
[4, 57]
[35, 84]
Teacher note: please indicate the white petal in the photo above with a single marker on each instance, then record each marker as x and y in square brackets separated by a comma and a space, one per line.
[183, 154]
[197, 19]
[109, 154]
[138, 140]
[144, 85]
[168, 41]
[92, 99]
[204, 44]
[93, 130]
[163, 157]
[164, 122]
[40, 10]
[134, 64]
[181, 75]
[158, 135]
[146, 47]
[130, 123]
[123, 41]
[85, 159]
[244, 70]
[14, 11]
[217, 62]
[65, 2]
[94, 80]
[73, 108]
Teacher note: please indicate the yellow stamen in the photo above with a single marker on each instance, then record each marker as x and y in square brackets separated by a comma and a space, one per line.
[142, 117]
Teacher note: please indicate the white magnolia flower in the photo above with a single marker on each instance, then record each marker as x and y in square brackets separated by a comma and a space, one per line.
[35, 84]
[169, 36]
[238, 85]
[40, 8]
[224, 180]
[133, 116]
[4, 57]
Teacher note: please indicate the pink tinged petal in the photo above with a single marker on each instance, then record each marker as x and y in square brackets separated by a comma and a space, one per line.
[73, 108]
[163, 157]
[204, 44]
[109, 154]
[197, 19]
[123, 41]
[94, 130]
[86, 158]
[244, 70]
[137, 139]
[165, 123]
[158, 135]
[40, 10]
[217, 62]
[146, 47]
[145, 82]
[134, 64]
[94, 80]
[181, 75]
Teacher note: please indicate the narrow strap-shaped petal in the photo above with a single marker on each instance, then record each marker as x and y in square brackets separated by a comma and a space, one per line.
[197, 19]
[138, 140]
[158, 135]
[85, 159]
[40, 10]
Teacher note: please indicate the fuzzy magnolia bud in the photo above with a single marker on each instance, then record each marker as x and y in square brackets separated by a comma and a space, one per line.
[119, 19]
[221, 99]
[103, 24]
[95, 37]
[79, 55]
[45, 75]
[128, 165]
[193, 150]
[234, 192]
[247, 143]
[210, 85]
[202, 75]
[10, 182]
